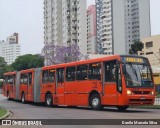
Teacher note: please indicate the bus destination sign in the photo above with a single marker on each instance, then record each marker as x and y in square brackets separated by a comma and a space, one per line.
[133, 60]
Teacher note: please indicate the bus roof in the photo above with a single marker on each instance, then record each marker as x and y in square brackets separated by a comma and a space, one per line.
[108, 57]
[136, 56]
[27, 70]
[9, 73]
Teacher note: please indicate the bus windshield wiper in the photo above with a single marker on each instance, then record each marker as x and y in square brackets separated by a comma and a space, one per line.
[133, 70]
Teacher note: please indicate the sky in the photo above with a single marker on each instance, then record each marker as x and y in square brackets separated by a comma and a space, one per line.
[26, 18]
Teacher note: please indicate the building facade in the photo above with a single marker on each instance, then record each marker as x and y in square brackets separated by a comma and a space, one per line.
[65, 23]
[91, 30]
[10, 49]
[151, 49]
[120, 23]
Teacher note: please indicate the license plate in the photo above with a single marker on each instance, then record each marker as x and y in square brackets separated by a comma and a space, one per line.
[142, 98]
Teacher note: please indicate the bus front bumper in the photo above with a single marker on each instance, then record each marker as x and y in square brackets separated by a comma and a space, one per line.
[141, 100]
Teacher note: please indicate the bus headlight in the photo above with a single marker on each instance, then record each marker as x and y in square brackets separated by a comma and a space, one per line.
[152, 93]
[129, 92]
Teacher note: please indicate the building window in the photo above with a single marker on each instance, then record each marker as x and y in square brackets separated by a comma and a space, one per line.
[149, 44]
[148, 53]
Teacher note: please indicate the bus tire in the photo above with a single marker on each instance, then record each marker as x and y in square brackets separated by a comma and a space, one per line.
[49, 100]
[95, 102]
[122, 108]
[23, 98]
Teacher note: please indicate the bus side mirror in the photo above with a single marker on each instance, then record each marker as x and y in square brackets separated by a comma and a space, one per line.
[124, 68]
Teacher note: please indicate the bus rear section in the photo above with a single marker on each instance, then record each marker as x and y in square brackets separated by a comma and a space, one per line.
[9, 85]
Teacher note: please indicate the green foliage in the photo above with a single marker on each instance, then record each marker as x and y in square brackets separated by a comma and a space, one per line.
[137, 46]
[3, 67]
[28, 61]
[9, 68]
[2, 112]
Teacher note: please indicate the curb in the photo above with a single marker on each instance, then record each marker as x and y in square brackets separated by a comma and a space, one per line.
[6, 115]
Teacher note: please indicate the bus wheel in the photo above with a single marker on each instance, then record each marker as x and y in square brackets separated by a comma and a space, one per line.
[23, 98]
[49, 100]
[95, 102]
[122, 108]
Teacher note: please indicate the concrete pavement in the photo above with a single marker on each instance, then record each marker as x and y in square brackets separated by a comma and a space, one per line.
[32, 111]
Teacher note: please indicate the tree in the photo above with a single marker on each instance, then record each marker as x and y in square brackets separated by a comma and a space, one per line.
[61, 54]
[28, 61]
[3, 66]
[137, 46]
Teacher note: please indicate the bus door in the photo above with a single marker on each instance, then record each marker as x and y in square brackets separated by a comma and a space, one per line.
[70, 86]
[109, 83]
[59, 86]
[30, 87]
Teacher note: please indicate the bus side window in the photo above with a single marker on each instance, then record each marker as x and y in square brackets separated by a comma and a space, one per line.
[6, 80]
[82, 72]
[30, 78]
[52, 75]
[21, 79]
[10, 80]
[60, 75]
[94, 72]
[70, 73]
[25, 78]
[110, 71]
[45, 76]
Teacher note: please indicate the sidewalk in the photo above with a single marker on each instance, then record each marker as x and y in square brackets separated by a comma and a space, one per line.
[157, 101]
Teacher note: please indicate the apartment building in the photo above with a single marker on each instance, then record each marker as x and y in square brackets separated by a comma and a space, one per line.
[151, 49]
[10, 49]
[120, 23]
[91, 30]
[65, 22]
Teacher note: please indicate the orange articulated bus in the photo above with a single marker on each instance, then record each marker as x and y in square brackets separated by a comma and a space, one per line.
[114, 80]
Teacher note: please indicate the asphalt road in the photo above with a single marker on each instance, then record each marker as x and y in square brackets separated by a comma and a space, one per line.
[32, 111]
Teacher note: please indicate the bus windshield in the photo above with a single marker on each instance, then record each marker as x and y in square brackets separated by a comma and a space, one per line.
[138, 75]
[137, 72]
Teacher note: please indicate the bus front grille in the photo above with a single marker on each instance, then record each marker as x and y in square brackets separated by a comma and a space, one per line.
[140, 101]
[141, 92]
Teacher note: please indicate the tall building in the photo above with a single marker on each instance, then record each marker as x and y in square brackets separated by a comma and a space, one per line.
[65, 22]
[10, 49]
[91, 29]
[120, 23]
